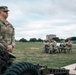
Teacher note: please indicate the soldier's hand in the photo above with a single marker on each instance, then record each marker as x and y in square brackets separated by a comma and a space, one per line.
[10, 48]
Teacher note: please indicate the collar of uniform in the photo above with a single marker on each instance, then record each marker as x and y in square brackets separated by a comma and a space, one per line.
[6, 23]
[2, 21]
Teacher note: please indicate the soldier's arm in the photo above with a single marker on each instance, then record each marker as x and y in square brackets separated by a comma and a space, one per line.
[13, 38]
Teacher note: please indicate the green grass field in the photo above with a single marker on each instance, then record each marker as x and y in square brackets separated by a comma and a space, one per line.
[33, 53]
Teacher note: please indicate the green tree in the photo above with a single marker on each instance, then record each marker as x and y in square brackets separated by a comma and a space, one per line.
[23, 40]
[39, 40]
[33, 40]
[73, 38]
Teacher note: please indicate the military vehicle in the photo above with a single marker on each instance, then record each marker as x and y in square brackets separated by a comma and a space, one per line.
[25, 68]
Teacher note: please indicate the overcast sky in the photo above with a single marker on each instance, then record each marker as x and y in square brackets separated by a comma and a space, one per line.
[38, 18]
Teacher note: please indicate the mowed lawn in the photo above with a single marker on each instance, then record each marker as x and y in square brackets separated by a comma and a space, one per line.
[33, 53]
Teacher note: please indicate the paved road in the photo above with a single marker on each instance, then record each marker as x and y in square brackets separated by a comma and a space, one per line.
[72, 68]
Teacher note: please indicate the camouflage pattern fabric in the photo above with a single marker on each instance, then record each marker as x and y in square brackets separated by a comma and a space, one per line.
[6, 34]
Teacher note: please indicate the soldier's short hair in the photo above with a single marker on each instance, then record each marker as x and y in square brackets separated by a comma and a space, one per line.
[3, 8]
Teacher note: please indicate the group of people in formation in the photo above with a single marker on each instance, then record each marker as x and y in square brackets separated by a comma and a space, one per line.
[51, 46]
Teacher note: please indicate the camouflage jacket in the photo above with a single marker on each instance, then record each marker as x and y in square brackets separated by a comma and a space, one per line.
[6, 34]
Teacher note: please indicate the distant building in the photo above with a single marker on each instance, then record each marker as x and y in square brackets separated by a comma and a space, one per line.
[50, 36]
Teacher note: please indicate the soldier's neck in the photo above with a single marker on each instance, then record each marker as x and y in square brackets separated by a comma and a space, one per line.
[3, 19]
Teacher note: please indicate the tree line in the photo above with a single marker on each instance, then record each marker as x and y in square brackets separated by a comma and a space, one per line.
[57, 39]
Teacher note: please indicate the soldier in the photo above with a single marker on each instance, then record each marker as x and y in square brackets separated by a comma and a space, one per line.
[46, 46]
[69, 46]
[53, 47]
[63, 46]
[7, 39]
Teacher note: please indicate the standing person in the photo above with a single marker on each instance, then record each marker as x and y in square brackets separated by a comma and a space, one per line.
[7, 39]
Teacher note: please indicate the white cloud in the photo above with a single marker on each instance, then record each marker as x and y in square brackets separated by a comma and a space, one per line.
[37, 18]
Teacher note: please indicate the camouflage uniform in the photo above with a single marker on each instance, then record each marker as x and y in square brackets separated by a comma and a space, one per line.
[6, 32]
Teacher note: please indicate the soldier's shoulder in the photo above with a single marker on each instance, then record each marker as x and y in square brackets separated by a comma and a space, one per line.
[11, 25]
